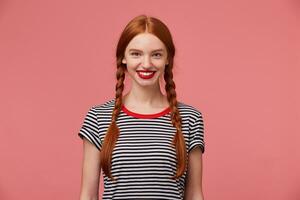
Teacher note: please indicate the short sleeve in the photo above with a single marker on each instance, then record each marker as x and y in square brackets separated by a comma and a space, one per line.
[90, 128]
[196, 132]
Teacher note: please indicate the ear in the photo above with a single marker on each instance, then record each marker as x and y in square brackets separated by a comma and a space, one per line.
[124, 61]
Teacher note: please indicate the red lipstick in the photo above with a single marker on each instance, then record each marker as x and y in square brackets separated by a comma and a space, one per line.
[145, 74]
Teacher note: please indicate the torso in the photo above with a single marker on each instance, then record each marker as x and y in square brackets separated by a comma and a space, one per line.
[143, 159]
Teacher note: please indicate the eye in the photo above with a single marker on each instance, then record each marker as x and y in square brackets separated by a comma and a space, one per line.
[134, 54]
[158, 54]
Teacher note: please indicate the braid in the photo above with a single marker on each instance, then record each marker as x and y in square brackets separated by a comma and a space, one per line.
[120, 75]
[178, 140]
[113, 130]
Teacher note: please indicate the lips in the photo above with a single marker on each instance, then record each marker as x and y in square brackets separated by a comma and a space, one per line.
[144, 71]
[145, 74]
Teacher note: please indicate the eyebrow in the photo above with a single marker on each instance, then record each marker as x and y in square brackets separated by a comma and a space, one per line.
[141, 50]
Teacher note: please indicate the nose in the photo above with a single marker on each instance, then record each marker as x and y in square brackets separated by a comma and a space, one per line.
[146, 62]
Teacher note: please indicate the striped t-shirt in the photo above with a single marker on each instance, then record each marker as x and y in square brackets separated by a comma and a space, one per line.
[143, 159]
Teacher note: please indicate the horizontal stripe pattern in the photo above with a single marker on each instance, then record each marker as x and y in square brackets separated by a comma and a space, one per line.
[143, 159]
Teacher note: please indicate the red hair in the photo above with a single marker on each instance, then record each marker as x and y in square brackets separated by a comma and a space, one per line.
[137, 25]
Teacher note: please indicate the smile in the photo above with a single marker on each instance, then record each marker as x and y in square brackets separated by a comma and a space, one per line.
[146, 75]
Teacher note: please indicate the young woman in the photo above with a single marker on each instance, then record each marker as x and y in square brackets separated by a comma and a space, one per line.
[148, 145]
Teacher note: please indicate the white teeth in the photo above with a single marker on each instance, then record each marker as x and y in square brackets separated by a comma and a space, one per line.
[146, 73]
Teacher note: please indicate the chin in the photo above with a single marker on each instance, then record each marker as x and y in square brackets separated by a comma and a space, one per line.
[146, 83]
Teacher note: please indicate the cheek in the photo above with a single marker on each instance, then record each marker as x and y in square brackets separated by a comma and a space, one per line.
[161, 66]
[131, 69]
[133, 62]
[159, 63]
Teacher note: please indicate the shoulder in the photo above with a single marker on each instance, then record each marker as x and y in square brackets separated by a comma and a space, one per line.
[105, 104]
[104, 107]
[101, 114]
[101, 110]
[188, 110]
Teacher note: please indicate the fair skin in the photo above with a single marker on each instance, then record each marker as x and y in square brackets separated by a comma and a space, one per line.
[144, 52]
[91, 170]
[193, 185]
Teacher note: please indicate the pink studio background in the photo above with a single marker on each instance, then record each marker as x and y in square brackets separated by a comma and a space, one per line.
[236, 61]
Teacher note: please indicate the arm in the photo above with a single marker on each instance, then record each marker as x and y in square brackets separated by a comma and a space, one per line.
[193, 185]
[90, 172]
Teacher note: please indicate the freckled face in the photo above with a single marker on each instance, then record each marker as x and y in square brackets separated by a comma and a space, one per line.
[145, 52]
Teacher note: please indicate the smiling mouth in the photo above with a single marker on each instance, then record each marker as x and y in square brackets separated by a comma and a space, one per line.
[146, 74]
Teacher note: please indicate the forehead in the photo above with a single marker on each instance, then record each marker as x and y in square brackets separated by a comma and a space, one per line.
[145, 42]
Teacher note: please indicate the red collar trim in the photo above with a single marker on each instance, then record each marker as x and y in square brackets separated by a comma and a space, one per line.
[145, 116]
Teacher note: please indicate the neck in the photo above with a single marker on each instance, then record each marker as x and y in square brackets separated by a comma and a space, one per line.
[145, 96]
